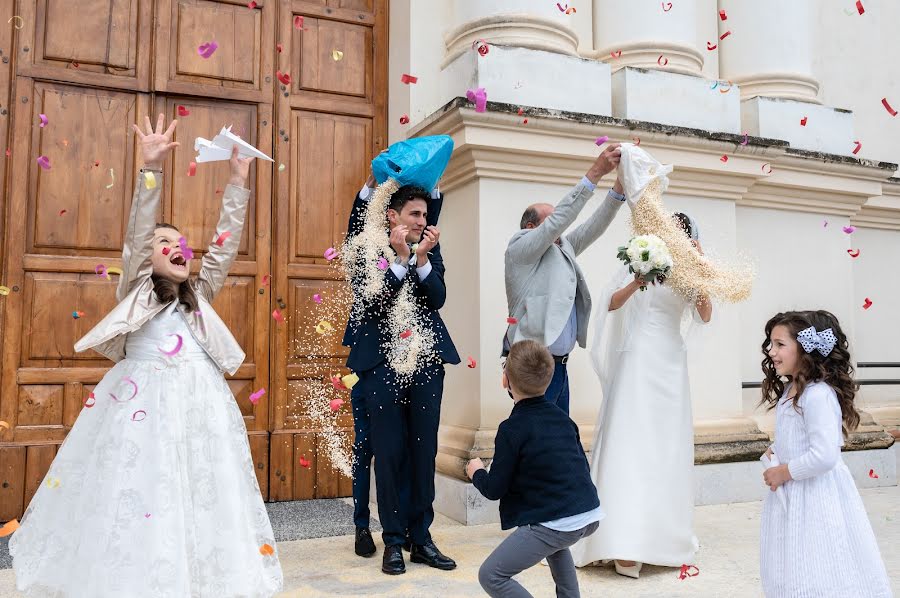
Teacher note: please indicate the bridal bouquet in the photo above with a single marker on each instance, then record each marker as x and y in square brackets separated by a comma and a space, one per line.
[647, 256]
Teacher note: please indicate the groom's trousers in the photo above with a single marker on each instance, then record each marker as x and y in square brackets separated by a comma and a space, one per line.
[404, 416]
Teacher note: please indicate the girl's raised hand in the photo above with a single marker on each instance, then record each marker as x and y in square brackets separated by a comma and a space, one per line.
[155, 145]
[240, 168]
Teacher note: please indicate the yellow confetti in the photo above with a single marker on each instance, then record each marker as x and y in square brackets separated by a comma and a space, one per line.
[149, 180]
[53, 482]
[18, 20]
[113, 270]
[9, 528]
[337, 55]
[324, 327]
[281, 168]
[350, 380]
[4, 290]
[112, 177]
[3, 424]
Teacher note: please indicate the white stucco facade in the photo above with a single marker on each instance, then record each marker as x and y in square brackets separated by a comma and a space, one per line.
[778, 65]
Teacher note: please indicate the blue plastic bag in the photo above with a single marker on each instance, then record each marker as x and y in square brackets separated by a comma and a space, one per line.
[420, 161]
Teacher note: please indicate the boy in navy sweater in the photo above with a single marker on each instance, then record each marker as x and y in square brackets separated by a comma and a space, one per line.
[542, 479]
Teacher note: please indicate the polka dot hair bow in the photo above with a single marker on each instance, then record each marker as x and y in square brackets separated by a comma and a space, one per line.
[823, 342]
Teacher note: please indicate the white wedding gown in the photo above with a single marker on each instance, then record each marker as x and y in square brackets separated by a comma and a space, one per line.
[153, 493]
[643, 451]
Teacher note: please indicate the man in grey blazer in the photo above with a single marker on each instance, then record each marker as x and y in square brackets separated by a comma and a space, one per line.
[546, 293]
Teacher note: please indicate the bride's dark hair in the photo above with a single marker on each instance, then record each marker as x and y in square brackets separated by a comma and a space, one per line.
[835, 370]
[167, 290]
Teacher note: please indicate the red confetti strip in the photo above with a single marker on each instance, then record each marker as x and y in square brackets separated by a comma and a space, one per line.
[660, 60]
[470, 363]
[178, 345]
[686, 571]
[616, 54]
[724, 35]
[857, 148]
[222, 238]
[192, 169]
[887, 107]
[77, 314]
[404, 120]
[61, 212]
[266, 550]
[724, 158]
[298, 22]
[853, 252]
[279, 47]
[254, 398]
[722, 15]
[803, 121]
[666, 6]
[139, 415]
[75, 65]
[90, 401]
[481, 47]
[766, 168]
[303, 462]
[511, 320]
[867, 303]
[335, 404]
[859, 7]
[408, 79]
[183, 111]
[278, 317]
[330, 253]
[849, 229]
[285, 78]
[251, 4]
[338, 384]
[266, 279]
[406, 333]
[166, 251]
[872, 474]
[711, 46]
[601, 140]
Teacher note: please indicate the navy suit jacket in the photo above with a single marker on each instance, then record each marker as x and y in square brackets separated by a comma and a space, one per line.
[366, 335]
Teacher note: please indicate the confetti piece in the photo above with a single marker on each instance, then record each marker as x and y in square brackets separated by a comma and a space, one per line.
[824, 223]
[10, 526]
[178, 345]
[101, 272]
[146, 515]
[61, 212]
[560, 7]
[724, 158]
[853, 252]
[7, 152]
[134, 386]
[887, 107]
[666, 6]
[724, 35]
[350, 380]
[279, 47]
[206, 50]
[251, 4]
[803, 121]
[406, 333]
[404, 120]
[281, 168]
[298, 22]
[330, 253]
[570, 10]
[686, 571]
[77, 314]
[337, 384]
[470, 362]
[867, 303]
[324, 327]
[382, 264]
[661, 59]
[192, 169]
[222, 238]
[278, 317]
[601, 140]
[849, 229]
[90, 401]
[711, 46]
[408, 79]
[285, 78]
[4, 290]
[4, 425]
[183, 111]
[616, 54]
[44, 121]
[187, 251]
[511, 321]
[139, 415]
[44, 162]
[725, 87]
[113, 270]
[317, 298]
[859, 7]
[337, 56]
[112, 179]
[872, 474]
[254, 398]
[303, 462]
[478, 97]
[722, 15]
[481, 46]
[857, 148]
[766, 168]
[335, 404]
[746, 139]
[18, 20]
[166, 251]
[149, 180]
[52, 482]
[266, 550]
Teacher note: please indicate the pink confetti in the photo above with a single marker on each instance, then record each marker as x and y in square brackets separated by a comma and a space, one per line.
[185, 250]
[666, 6]
[254, 398]
[746, 139]
[560, 7]
[867, 303]
[279, 47]
[266, 279]
[134, 386]
[382, 264]
[857, 148]
[222, 238]
[478, 97]
[408, 79]
[100, 271]
[298, 22]
[44, 162]
[616, 54]
[335, 404]
[278, 317]
[317, 298]
[766, 168]
[849, 229]
[44, 121]
[724, 158]
[337, 384]
[470, 362]
[601, 140]
[206, 50]
[178, 345]
[90, 401]
[139, 415]
[251, 4]
[192, 169]
[183, 111]
[872, 474]
[330, 253]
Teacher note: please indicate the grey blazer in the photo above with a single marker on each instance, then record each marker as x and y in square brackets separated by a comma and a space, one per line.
[543, 278]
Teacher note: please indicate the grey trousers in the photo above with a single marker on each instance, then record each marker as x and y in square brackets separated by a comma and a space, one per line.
[525, 548]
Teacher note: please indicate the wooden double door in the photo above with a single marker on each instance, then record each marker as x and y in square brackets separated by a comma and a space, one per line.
[93, 69]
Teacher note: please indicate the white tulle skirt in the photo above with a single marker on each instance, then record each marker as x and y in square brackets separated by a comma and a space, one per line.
[151, 496]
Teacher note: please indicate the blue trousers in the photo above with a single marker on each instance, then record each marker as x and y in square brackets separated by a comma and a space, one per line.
[558, 391]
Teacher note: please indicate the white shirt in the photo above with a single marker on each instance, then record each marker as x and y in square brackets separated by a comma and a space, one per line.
[575, 522]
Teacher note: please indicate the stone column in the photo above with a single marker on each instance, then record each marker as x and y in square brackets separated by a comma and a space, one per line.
[534, 24]
[645, 31]
[770, 50]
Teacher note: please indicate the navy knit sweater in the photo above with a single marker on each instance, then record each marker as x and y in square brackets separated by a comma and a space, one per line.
[539, 471]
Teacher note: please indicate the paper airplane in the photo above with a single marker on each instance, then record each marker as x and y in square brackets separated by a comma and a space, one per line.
[220, 148]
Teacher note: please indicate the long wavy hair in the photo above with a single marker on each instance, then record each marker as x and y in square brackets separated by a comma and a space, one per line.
[836, 369]
[167, 290]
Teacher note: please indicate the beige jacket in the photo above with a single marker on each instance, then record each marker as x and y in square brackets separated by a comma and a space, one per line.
[137, 300]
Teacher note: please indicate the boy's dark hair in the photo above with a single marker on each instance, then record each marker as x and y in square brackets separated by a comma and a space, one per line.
[407, 193]
[835, 370]
[529, 368]
[167, 290]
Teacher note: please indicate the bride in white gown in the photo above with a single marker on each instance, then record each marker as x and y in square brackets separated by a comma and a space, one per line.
[643, 450]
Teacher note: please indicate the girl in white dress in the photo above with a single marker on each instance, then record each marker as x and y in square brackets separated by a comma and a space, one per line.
[818, 542]
[643, 451]
[153, 492]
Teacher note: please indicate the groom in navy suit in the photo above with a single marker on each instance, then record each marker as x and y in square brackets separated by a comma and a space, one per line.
[403, 414]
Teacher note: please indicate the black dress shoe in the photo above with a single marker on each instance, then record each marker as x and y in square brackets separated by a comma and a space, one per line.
[392, 563]
[431, 556]
[365, 546]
